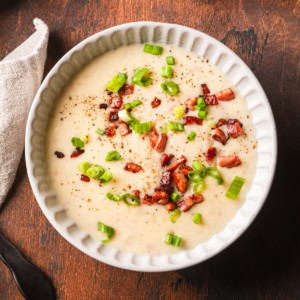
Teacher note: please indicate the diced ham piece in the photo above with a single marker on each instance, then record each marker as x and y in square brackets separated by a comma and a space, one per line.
[190, 103]
[136, 193]
[192, 120]
[124, 129]
[229, 161]
[110, 131]
[219, 135]
[235, 128]
[211, 153]
[165, 159]
[221, 122]
[198, 198]
[185, 169]
[126, 89]
[211, 99]
[158, 141]
[180, 181]
[84, 178]
[225, 95]
[76, 152]
[133, 168]
[148, 199]
[113, 116]
[116, 102]
[166, 179]
[189, 201]
[205, 89]
[179, 161]
[156, 102]
[170, 206]
[160, 196]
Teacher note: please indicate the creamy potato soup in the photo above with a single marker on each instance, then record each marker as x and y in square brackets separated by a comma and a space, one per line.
[150, 149]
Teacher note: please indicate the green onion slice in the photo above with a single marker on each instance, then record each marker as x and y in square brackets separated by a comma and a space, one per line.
[153, 49]
[109, 231]
[215, 173]
[113, 156]
[175, 197]
[130, 200]
[117, 82]
[130, 106]
[175, 215]
[202, 114]
[94, 172]
[124, 115]
[191, 136]
[170, 88]
[194, 176]
[178, 112]
[84, 166]
[200, 168]
[172, 239]
[106, 177]
[197, 218]
[201, 106]
[100, 131]
[140, 128]
[170, 60]
[167, 71]
[199, 187]
[175, 126]
[113, 197]
[77, 142]
[142, 77]
[235, 187]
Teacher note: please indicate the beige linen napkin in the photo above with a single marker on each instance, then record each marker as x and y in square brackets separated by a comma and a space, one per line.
[20, 76]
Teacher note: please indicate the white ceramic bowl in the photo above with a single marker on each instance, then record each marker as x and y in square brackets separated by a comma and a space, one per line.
[218, 54]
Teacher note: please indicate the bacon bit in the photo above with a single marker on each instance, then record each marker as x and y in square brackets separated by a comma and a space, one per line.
[221, 122]
[192, 120]
[211, 99]
[156, 102]
[126, 89]
[77, 152]
[186, 204]
[185, 169]
[158, 141]
[211, 153]
[190, 103]
[225, 95]
[229, 161]
[148, 199]
[103, 106]
[124, 129]
[136, 193]
[198, 198]
[219, 135]
[165, 159]
[116, 102]
[235, 128]
[113, 116]
[179, 161]
[84, 178]
[166, 179]
[205, 89]
[153, 137]
[180, 181]
[133, 168]
[160, 196]
[170, 206]
[59, 154]
[110, 131]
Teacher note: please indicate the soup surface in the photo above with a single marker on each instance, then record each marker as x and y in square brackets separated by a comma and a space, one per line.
[142, 229]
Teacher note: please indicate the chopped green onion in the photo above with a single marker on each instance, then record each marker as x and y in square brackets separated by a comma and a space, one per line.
[83, 166]
[175, 215]
[95, 172]
[170, 60]
[109, 231]
[135, 103]
[113, 197]
[85, 139]
[197, 218]
[142, 77]
[175, 126]
[77, 142]
[100, 131]
[130, 200]
[153, 49]
[163, 129]
[215, 173]
[178, 112]
[194, 176]
[191, 136]
[235, 187]
[199, 187]
[202, 114]
[201, 106]
[113, 155]
[106, 177]
[175, 197]
[167, 71]
[174, 240]
[124, 115]
[170, 88]
[140, 128]
[117, 82]
[199, 167]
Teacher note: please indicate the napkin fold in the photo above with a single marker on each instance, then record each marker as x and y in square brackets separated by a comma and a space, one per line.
[21, 73]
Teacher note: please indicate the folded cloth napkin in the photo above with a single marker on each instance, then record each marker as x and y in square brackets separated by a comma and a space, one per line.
[20, 76]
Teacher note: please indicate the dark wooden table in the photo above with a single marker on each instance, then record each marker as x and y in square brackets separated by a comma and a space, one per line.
[265, 262]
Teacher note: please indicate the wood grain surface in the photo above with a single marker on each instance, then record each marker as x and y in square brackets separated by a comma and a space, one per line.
[265, 262]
